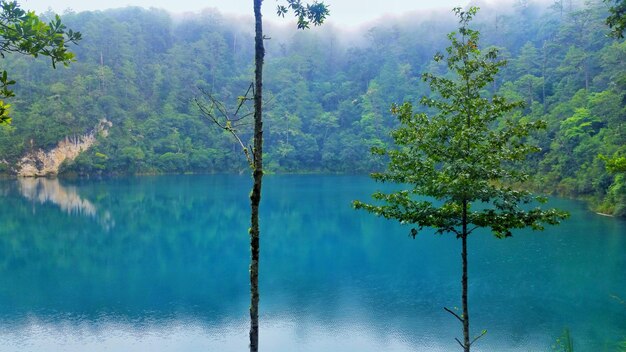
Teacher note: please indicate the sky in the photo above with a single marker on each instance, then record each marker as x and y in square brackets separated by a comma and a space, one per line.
[344, 12]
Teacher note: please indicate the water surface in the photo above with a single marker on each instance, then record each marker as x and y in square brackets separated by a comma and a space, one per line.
[161, 264]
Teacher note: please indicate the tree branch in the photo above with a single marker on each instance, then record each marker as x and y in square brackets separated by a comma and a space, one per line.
[269, 101]
[208, 112]
[453, 313]
[227, 123]
[457, 340]
[242, 117]
[479, 336]
[244, 98]
[245, 150]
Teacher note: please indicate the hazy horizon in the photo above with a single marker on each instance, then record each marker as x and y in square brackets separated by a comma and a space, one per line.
[343, 12]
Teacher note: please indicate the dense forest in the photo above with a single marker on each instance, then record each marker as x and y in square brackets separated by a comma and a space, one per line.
[329, 92]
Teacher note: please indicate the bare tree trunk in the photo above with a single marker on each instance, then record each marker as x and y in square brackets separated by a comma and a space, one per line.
[466, 332]
[255, 195]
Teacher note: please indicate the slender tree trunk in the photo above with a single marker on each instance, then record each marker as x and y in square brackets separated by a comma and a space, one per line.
[466, 332]
[466, 341]
[255, 196]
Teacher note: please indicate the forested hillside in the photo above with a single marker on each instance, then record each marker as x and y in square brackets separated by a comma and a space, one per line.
[330, 91]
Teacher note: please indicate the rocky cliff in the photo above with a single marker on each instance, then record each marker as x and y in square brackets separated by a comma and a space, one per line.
[42, 163]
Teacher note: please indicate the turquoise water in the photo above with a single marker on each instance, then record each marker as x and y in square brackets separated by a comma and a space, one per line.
[161, 264]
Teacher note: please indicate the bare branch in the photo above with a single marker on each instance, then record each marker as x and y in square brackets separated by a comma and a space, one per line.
[242, 117]
[218, 114]
[459, 341]
[479, 336]
[208, 112]
[453, 313]
[216, 103]
[271, 98]
[221, 108]
[245, 150]
[243, 100]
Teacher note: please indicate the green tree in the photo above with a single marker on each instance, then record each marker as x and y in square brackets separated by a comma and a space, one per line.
[615, 164]
[616, 194]
[617, 18]
[23, 32]
[462, 159]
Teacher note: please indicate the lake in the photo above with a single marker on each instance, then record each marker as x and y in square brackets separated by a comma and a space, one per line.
[161, 264]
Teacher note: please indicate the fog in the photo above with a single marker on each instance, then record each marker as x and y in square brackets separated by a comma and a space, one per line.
[353, 13]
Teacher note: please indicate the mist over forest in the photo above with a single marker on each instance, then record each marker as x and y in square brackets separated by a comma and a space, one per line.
[328, 90]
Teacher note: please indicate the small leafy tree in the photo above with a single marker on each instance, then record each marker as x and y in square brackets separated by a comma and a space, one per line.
[23, 32]
[458, 164]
